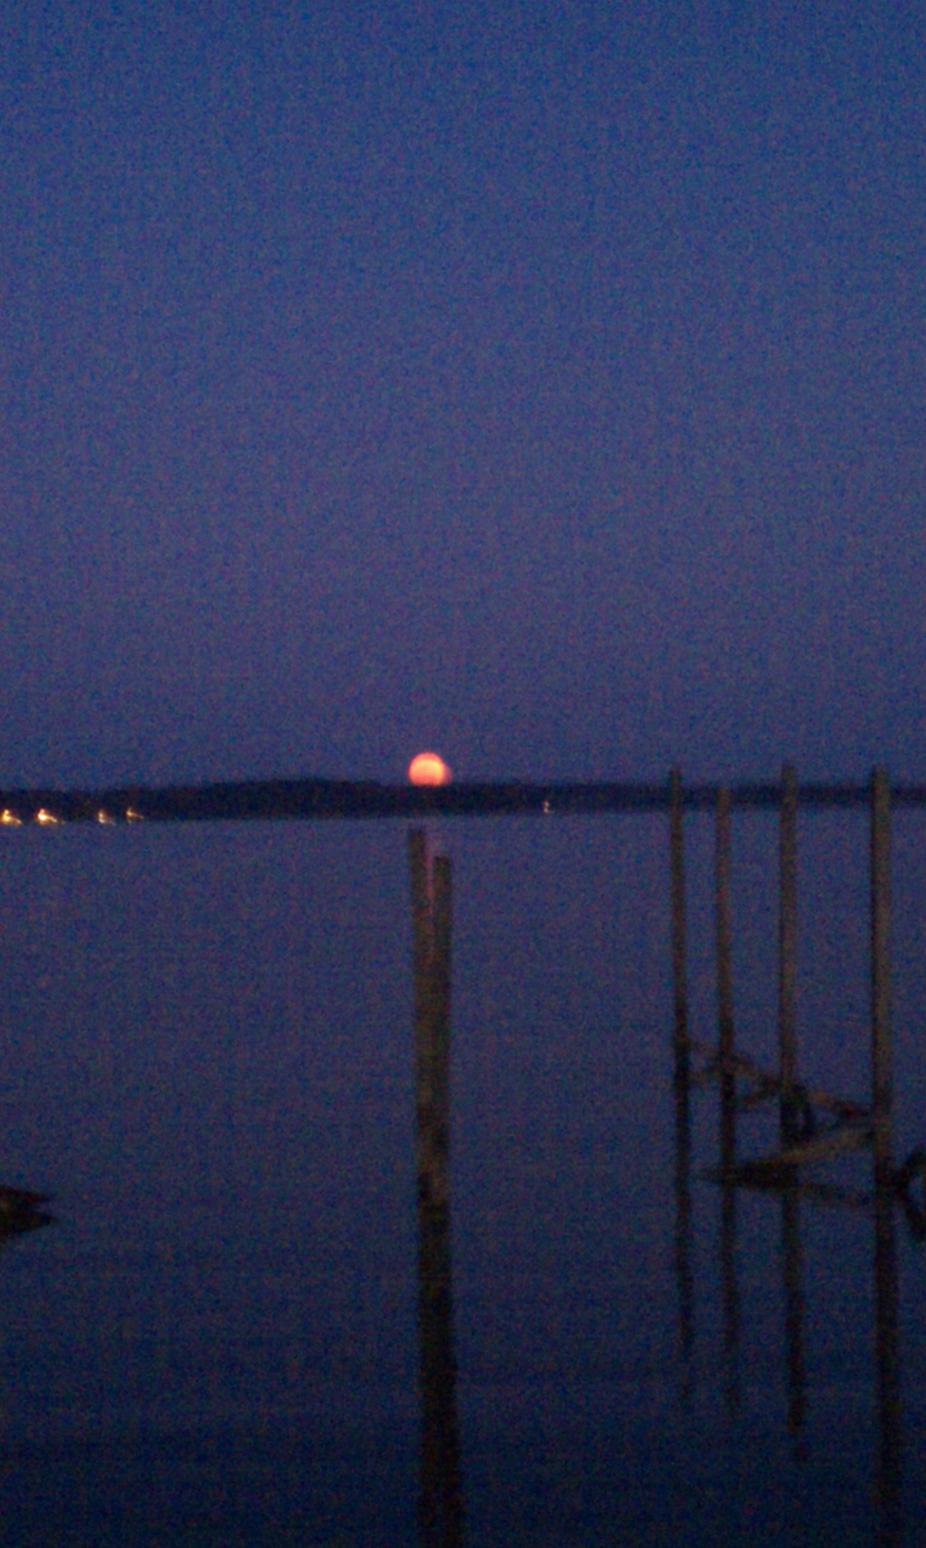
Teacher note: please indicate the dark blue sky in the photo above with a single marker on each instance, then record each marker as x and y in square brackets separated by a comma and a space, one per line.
[544, 382]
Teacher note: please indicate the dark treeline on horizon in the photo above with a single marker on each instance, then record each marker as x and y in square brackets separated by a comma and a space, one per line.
[319, 798]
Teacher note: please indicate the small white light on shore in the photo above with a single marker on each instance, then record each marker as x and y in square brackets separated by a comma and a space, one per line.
[103, 816]
[9, 819]
[131, 815]
[44, 816]
[428, 768]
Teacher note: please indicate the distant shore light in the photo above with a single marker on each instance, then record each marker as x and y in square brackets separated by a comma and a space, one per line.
[428, 768]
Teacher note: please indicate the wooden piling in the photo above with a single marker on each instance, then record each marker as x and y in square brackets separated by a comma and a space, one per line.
[787, 951]
[440, 1057]
[440, 1512]
[431, 945]
[724, 929]
[677, 890]
[881, 1053]
[682, 1073]
[422, 956]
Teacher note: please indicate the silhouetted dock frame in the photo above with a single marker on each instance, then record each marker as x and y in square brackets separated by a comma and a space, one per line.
[853, 1124]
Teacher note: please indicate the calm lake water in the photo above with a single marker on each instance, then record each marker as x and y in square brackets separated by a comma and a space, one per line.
[208, 1064]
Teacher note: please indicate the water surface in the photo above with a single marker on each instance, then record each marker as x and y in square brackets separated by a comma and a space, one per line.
[208, 1044]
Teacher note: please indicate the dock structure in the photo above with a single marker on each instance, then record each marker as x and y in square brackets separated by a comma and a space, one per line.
[815, 1124]
[852, 1124]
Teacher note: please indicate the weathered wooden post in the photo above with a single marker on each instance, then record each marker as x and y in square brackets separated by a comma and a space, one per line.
[423, 979]
[440, 1500]
[682, 1085]
[890, 1529]
[724, 948]
[787, 952]
[791, 1253]
[440, 1055]
[677, 894]
[882, 1092]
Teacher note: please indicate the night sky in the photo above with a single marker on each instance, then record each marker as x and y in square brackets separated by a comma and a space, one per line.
[543, 382]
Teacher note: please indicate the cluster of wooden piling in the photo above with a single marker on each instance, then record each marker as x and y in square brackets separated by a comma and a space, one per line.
[853, 1124]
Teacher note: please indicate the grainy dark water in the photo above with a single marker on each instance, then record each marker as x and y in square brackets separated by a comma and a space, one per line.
[208, 1063]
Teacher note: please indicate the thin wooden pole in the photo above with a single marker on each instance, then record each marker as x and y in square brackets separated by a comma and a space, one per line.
[431, 945]
[440, 1511]
[682, 1074]
[787, 951]
[441, 1028]
[422, 956]
[881, 1061]
[677, 885]
[724, 931]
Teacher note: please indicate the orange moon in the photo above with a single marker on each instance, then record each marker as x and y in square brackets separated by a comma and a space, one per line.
[427, 768]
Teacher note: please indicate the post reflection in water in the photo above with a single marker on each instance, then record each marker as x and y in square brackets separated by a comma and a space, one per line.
[730, 1290]
[440, 1511]
[882, 1205]
[792, 1264]
[683, 1231]
[888, 1369]
[682, 1088]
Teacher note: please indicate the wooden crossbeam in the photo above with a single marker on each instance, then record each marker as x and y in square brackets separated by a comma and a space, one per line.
[768, 1084]
[767, 1179]
[778, 1168]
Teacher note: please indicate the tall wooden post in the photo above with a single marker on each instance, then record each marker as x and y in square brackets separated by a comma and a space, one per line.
[682, 1083]
[724, 936]
[423, 978]
[440, 1065]
[440, 1509]
[787, 952]
[882, 1093]
[890, 1530]
[677, 893]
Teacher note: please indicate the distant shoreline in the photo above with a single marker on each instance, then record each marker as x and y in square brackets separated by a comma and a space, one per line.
[309, 799]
